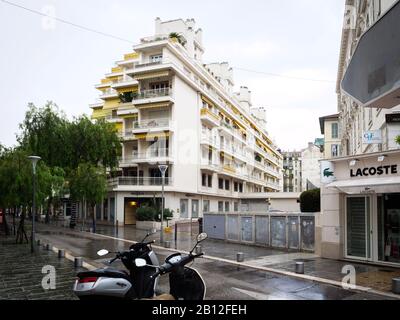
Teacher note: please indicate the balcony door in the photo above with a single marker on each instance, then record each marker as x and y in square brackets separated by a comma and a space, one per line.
[358, 227]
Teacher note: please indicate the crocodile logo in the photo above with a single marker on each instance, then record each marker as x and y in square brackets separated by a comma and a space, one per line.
[328, 173]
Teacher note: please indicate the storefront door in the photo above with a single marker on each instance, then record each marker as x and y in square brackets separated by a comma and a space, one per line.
[358, 227]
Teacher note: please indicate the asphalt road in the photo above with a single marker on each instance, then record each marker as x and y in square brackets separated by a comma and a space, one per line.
[224, 281]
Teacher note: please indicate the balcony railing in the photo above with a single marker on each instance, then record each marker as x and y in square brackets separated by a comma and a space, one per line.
[109, 92]
[149, 154]
[140, 181]
[208, 113]
[148, 64]
[154, 93]
[151, 123]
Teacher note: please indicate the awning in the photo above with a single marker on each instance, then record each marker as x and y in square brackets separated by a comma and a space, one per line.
[152, 135]
[152, 75]
[153, 105]
[369, 185]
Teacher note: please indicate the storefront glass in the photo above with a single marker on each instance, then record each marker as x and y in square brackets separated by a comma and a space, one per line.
[389, 227]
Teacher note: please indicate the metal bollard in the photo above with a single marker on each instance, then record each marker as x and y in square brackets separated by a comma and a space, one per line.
[300, 267]
[240, 257]
[78, 262]
[38, 242]
[48, 246]
[61, 253]
[167, 244]
[396, 285]
[199, 249]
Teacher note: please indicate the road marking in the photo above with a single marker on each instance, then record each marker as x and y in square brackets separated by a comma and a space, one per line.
[254, 294]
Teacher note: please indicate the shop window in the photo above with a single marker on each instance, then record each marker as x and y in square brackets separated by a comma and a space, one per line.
[220, 206]
[206, 206]
[227, 206]
[184, 204]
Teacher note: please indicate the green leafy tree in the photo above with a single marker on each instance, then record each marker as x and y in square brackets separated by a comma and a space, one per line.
[89, 185]
[310, 201]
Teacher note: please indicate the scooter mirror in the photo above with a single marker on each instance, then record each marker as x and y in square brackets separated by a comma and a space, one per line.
[140, 262]
[102, 252]
[202, 236]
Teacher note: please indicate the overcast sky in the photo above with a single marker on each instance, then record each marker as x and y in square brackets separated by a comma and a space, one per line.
[41, 60]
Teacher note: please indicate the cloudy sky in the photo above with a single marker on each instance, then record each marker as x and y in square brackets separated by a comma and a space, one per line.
[44, 60]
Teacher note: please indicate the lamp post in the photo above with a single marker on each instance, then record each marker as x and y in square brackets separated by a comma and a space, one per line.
[163, 168]
[34, 160]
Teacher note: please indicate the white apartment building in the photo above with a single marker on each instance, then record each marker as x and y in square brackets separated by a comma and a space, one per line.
[310, 158]
[292, 171]
[172, 109]
[360, 193]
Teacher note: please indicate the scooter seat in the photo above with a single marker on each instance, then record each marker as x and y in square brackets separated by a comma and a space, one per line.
[105, 272]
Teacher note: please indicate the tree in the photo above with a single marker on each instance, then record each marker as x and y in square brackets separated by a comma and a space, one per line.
[398, 139]
[89, 185]
[310, 201]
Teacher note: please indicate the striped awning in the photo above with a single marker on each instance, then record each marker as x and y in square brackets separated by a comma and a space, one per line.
[152, 105]
[152, 75]
[152, 135]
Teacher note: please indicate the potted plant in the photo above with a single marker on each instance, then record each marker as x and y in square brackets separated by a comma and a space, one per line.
[176, 37]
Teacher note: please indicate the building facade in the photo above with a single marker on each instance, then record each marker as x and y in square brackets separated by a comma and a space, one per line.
[360, 194]
[172, 109]
[330, 129]
[310, 158]
[292, 171]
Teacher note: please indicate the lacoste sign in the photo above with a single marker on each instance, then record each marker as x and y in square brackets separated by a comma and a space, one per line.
[374, 171]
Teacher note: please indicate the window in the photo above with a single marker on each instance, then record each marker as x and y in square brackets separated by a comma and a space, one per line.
[226, 206]
[335, 150]
[335, 130]
[240, 187]
[209, 181]
[227, 185]
[236, 187]
[184, 204]
[220, 183]
[236, 206]
[204, 180]
[206, 206]
[156, 58]
[195, 208]
[220, 206]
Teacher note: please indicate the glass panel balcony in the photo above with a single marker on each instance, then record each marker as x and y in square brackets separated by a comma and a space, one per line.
[139, 181]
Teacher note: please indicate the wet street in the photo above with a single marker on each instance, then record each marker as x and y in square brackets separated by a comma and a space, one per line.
[224, 280]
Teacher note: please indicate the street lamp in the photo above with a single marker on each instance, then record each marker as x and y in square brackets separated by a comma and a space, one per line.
[34, 160]
[163, 169]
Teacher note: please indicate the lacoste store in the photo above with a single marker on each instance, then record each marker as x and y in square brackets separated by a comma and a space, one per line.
[360, 208]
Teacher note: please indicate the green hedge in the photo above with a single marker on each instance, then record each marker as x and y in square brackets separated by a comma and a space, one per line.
[148, 213]
[310, 201]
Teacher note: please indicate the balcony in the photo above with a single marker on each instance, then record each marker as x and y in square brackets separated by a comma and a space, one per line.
[148, 64]
[124, 81]
[228, 128]
[151, 125]
[209, 141]
[151, 156]
[153, 96]
[209, 117]
[139, 181]
[109, 94]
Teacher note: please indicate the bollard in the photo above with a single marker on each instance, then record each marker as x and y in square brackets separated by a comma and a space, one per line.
[61, 253]
[396, 285]
[38, 242]
[78, 262]
[240, 257]
[48, 246]
[167, 244]
[300, 267]
[199, 249]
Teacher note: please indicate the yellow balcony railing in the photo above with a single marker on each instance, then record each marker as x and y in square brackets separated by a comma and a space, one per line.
[130, 56]
[206, 112]
[228, 168]
[116, 69]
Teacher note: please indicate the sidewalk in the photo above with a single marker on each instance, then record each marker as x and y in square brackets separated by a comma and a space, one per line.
[375, 277]
[21, 273]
